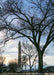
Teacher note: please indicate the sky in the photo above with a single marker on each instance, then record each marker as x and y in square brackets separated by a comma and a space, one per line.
[11, 50]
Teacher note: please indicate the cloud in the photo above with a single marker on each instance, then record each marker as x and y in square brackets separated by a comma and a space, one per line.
[2, 35]
[8, 60]
[49, 59]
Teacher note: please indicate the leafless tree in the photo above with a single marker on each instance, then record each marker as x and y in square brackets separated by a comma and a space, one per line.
[30, 52]
[24, 61]
[34, 23]
[2, 59]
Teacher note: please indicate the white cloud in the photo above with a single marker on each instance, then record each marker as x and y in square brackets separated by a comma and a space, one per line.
[8, 59]
[2, 34]
[49, 59]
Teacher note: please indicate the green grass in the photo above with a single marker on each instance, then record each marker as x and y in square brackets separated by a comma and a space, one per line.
[26, 74]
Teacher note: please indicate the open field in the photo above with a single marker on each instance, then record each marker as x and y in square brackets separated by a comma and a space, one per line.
[26, 74]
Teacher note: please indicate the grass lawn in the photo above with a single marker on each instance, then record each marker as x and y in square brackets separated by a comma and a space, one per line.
[26, 74]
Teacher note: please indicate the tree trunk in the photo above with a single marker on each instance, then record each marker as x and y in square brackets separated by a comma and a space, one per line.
[30, 63]
[40, 63]
[30, 69]
[25, 68]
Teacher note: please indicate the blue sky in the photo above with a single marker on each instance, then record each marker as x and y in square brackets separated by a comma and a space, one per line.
[11, 50]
